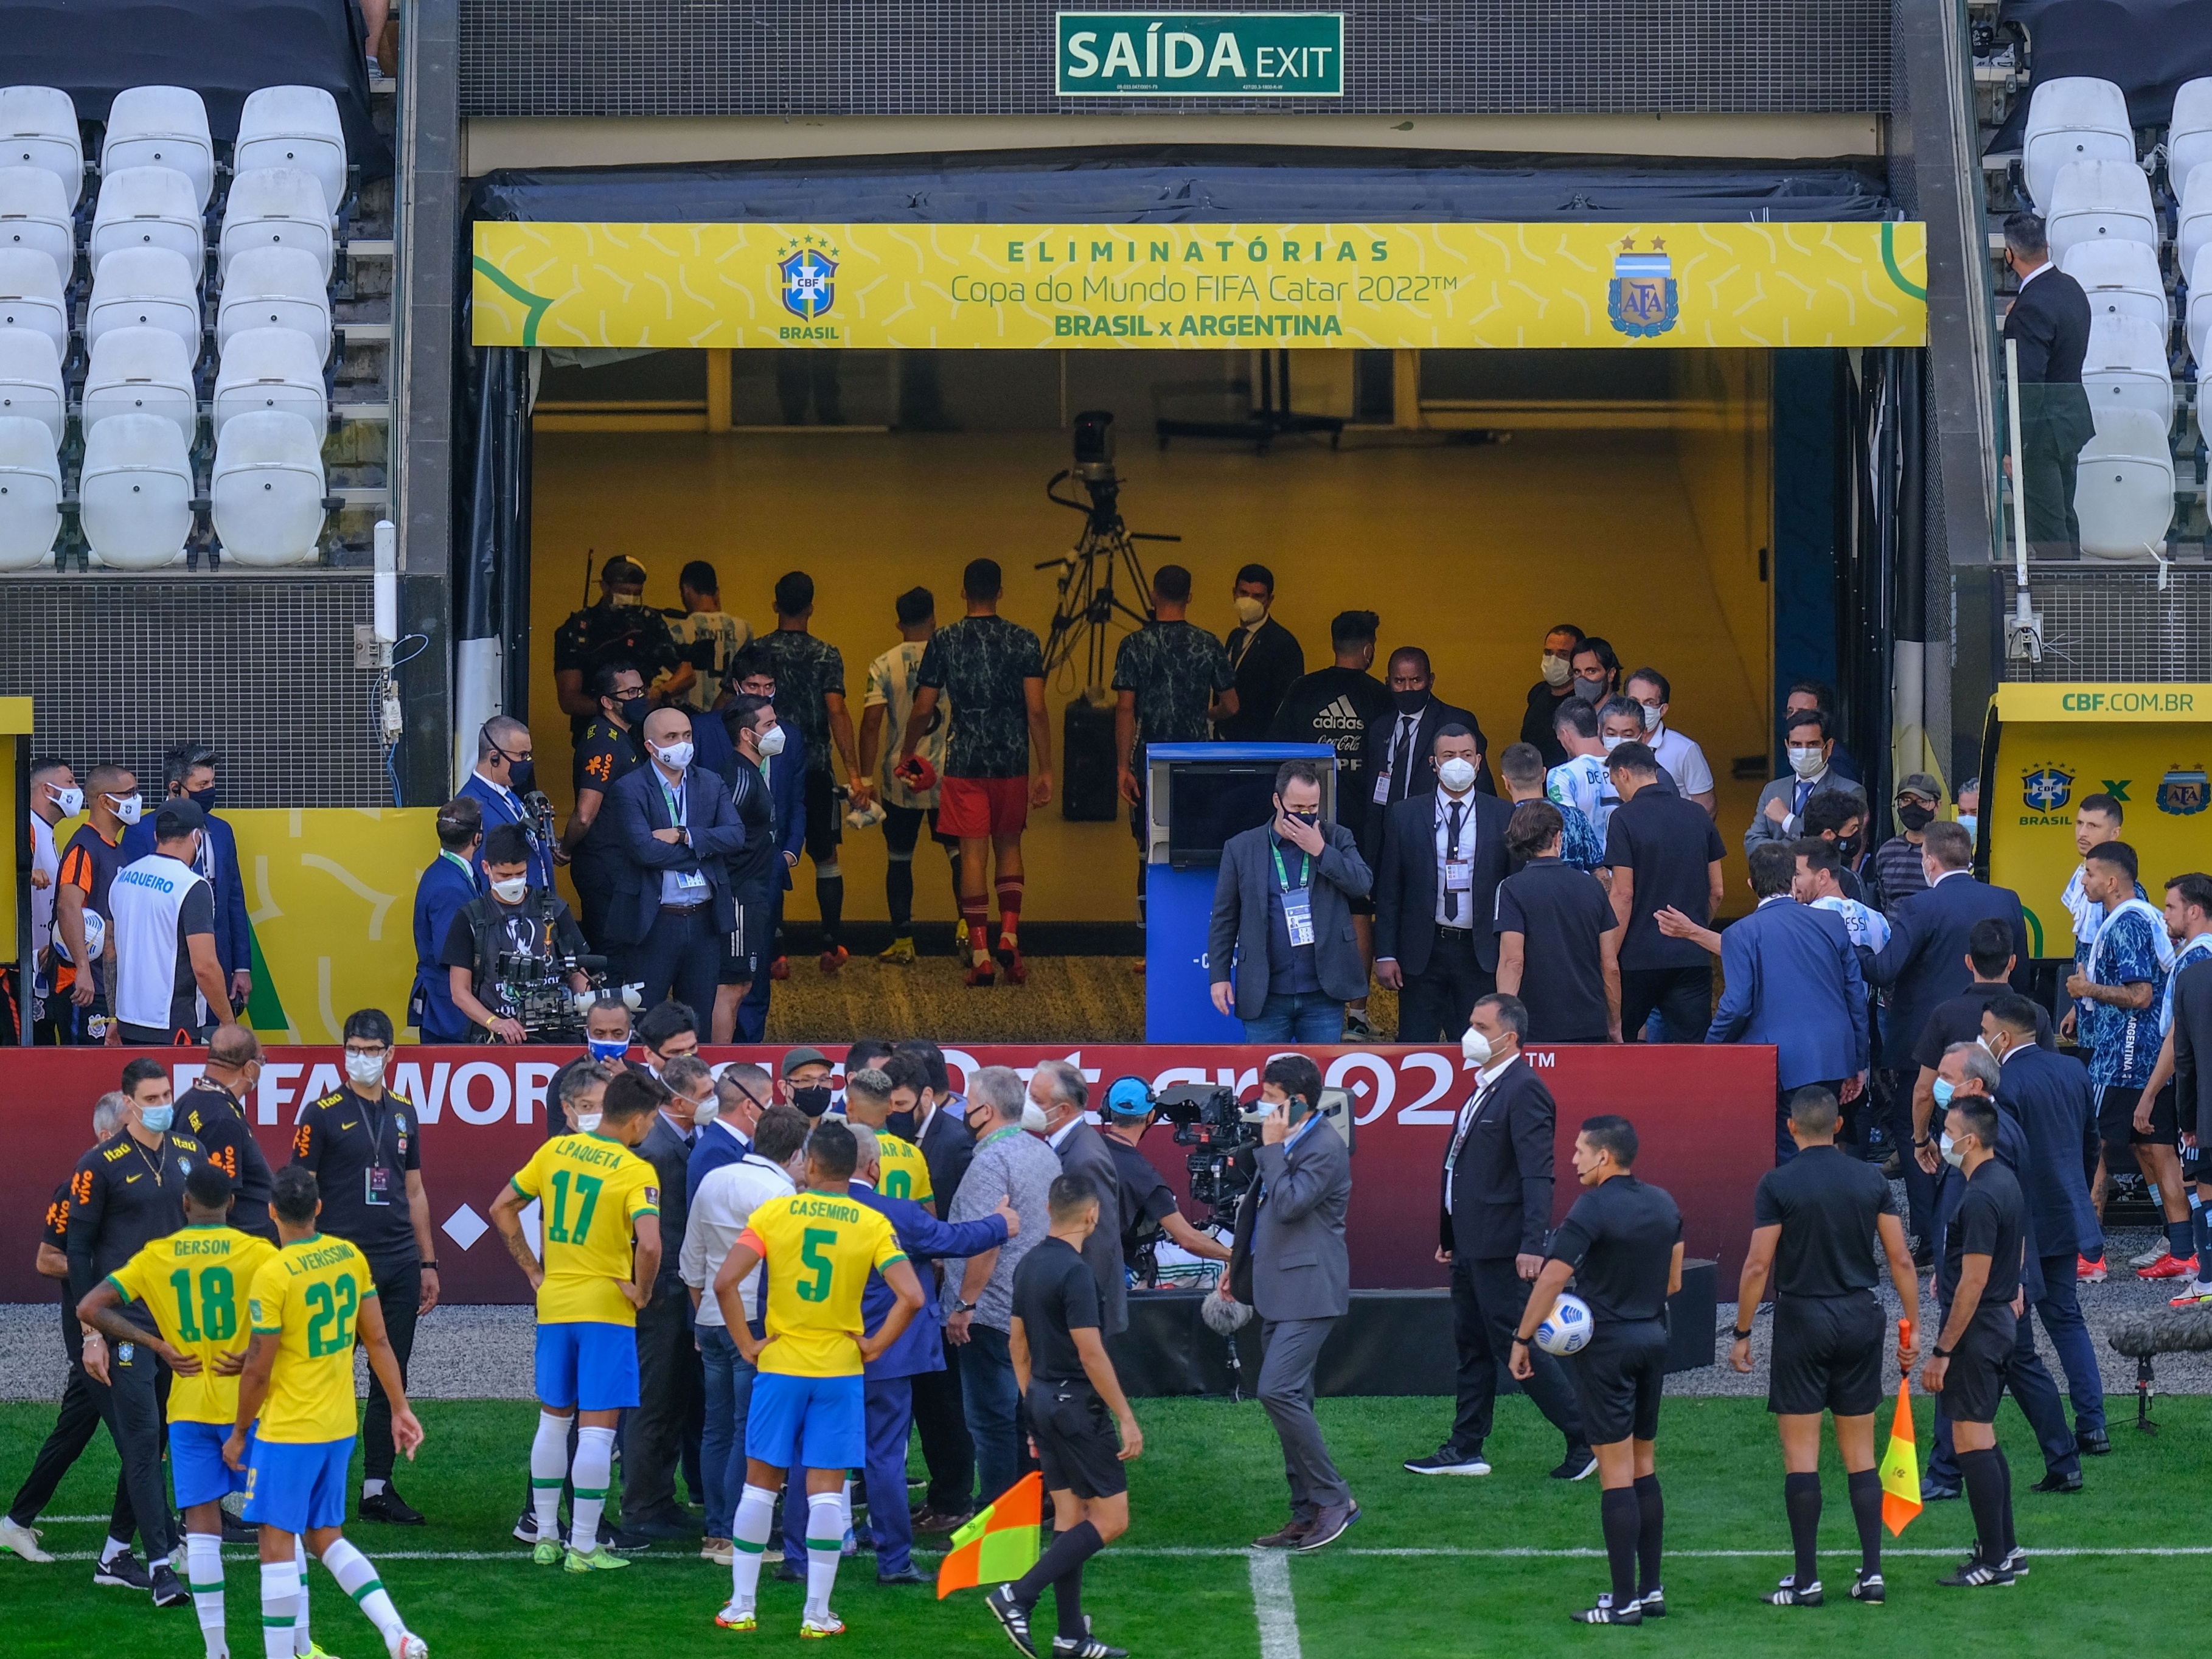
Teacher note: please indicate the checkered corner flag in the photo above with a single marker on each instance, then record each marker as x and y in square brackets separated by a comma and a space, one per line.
[999, 1544]
[1900, 1464]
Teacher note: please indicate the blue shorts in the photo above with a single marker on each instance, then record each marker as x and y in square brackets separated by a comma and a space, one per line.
[808, 1422]
[298, 1487]
[196, 1463]
[588, 1365]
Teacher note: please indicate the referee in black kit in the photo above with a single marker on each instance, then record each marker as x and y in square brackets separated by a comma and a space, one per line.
[1977, 1282]
[1622, 1244]
[1815, 1224]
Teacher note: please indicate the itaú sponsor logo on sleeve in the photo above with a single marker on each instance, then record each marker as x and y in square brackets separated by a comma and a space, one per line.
[1198, 54]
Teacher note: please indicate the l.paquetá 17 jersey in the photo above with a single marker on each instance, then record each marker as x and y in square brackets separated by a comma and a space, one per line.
[590, 1190]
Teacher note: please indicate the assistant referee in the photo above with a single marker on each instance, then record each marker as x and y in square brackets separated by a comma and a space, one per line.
[1622, 1244]
[1815, 1222]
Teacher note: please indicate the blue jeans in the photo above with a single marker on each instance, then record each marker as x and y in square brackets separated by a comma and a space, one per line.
[722, 1442]
[1305, 1016]
[991, 1402]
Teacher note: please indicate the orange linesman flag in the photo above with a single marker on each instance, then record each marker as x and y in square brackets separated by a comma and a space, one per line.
[999, 1544]
[1900, 1464]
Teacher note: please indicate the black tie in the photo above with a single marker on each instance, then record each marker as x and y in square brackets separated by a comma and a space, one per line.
[1451, 851]
[1401, 759]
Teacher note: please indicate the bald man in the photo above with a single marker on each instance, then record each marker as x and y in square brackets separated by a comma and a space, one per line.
[672, 910]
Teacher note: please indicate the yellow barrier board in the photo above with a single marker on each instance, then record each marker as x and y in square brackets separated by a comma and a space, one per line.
[1205, 286]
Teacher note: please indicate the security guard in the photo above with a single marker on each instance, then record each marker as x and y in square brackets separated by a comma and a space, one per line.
[606, 753]
[213, 1112]
[620, 628]
[363, 1144]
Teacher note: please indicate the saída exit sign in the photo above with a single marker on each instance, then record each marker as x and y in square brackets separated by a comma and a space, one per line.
[1135, 54]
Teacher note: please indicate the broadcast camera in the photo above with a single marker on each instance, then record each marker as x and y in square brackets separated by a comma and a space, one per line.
[1223, 1131]
[533, 986]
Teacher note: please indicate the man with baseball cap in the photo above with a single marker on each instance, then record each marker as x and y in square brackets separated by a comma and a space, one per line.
[620, 628]
[1147, 1203]
[1897, 860]
[803, 1081]
[169, 985]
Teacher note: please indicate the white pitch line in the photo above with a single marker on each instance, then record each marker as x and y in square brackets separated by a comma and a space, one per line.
[1273, 1603]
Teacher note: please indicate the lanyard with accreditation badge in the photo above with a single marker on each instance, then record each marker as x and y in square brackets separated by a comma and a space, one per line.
[688, 882]
[1298, 902]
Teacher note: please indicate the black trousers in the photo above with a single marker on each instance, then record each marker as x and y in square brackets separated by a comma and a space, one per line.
[74, 1424]
[1489, 1295]
[594, 879]
[942, 1422]
[670, 1385]
[135, 1410]
[1682, 996]
[1435, 1005]
[399, 1294]
[680, 955]
[2047, 472]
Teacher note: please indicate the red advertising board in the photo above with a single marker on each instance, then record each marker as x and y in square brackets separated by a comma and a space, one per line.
[1706, 1116]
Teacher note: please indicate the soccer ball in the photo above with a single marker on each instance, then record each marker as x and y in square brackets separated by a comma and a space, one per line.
[95, 938]
[1566, 1329]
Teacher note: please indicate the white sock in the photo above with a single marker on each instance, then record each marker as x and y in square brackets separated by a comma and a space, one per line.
[749, 1536]
[302, 1643]
[113, 1547]
[549, 1468]
[280, 1598]
[595, 1461]
[825, 1546]
[203, 1578]
[372, 1488]
[358, 1579]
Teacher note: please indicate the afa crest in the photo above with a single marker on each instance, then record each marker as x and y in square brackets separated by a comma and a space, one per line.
[1642, 299]
[807, 280]
[2046, 789]
[2183, 794]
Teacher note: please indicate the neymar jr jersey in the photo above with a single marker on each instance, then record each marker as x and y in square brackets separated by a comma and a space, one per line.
[590, 1188]
[817, 1249]
[196, 1282]
[308, 1297]
[906, 1171]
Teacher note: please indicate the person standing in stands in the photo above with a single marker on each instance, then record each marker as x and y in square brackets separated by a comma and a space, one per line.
[54, 796]
[893, 678]
[504, 773]
[1550, 692]
[810, 679]
[1436, 893]
[188, 773]
[620, 628]
[447, 887]
[1267, 657]
[90, 863]
[1679, 755]
[708, 640]
[1664, 852]
[992, 671]
[1400, 748]
[606, 753]
[168, 985]
[2049, 324]
[674, 826]
[1171, 678]
[1338, 706]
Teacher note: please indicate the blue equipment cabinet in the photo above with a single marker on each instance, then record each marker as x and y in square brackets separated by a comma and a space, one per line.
[1196, 796]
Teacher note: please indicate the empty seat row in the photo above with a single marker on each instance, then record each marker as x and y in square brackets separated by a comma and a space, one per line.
[145, 370]
[153, 288]
[2081, 119]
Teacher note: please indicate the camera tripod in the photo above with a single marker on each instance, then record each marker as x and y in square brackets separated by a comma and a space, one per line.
[1087, 603]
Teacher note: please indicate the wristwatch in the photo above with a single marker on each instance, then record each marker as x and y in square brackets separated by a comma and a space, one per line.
[960, 1307]
[1940, 1353]
[1743, 1336]
[427, 1266]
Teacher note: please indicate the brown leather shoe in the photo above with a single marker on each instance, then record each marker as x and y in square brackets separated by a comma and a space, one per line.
[1289, 1538]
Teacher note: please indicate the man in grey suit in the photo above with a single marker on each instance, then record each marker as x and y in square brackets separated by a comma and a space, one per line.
[1290, 1262]
[1810, 745]
[1282, 914]
[1057, 1089]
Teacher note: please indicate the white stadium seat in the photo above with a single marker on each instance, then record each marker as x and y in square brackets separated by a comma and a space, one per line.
[294, 127]
[2192, 231]
[2188, 139]
[147, 207]
[35, 215]
[2122, 279]
[160, 127]
[267, 489]
[276, 207]
[31, 382]
[31, 297]
[2199, 319]
[134, 496]
[266, 368]
[142, 371]
[2100, 202]
[275, 288]
[30, 494]
[37, 128]
[144, 288]
[2076, 119]
[2126, 368]
[2123, 487]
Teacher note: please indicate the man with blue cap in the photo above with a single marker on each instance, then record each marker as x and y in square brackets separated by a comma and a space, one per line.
[1147, 1203]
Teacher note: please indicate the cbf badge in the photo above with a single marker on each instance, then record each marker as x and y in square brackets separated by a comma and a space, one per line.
[2184, 794]
[2046, 789]
[1642, 299]
[808, 278]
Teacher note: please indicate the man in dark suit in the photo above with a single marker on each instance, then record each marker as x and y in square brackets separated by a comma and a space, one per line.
[671, 1382]
[1442, 854]
[1492, 1228]
[1394, 762]
[447, 886]
[2050, 323]
[1791, 978]
[1057, 1089]
[1282, 919]
[672, 906]
[782, 753]
[505, 773]
[1266, 656]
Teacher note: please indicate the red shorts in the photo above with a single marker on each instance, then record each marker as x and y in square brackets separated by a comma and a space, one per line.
[977, 809]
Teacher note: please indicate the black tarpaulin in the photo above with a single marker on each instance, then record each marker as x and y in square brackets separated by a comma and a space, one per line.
[2146, 47]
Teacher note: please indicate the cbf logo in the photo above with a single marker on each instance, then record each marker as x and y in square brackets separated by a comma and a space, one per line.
[2183, 794]
[2046, 789]
[807, 276]
[1642, 299]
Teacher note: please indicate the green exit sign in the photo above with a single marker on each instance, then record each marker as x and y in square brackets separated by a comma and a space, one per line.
[1135, 54]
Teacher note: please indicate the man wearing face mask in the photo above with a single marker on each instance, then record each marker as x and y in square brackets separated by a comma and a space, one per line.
[1399, 750]
[620, 628]
[672, 909]
[1819, 697]
[54, 796]
[213, 1112]
[1549, 694]
[1679, 756]
[169, 987]
[1897, 862]
[743, 1092]
[1266, 655]
[805, 1082]
[1781, 804]
[1436, 894]
[663, 1432]
[1596, 670]
[1621, 720]
[607, 751]
[1969, 813]
[446, 888]
[90, 863]
[779, 760]
[513, 919]
[188, 771]
[505, 773]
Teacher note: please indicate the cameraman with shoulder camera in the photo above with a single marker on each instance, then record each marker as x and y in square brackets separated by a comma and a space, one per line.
[1291, 1264]
[1148, 1211]
[513, 919]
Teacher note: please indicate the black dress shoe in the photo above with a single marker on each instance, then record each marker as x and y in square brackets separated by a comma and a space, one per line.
[906, 1575]
[661, 1524]
[2055, 1482]
[235, 1531]
[788, 1572]
[389, 1506]
[622, 1542]
[2096, 1443]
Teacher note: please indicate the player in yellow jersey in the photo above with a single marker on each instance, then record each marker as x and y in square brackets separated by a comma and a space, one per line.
[195, 1283]
[808, 1405]
[599, 1218]
[295, 1428]
[906, 1171]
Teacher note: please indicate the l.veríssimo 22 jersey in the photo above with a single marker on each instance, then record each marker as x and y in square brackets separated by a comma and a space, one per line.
[308, 1299]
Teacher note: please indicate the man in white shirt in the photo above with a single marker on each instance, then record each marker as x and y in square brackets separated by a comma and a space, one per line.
[1819, 883]
[1679, 756]
[1581, 780]
[167, 978]
[54, 796]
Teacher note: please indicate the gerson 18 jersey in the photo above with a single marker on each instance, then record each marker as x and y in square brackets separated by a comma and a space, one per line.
[309, 1298]
[590, 1190]
[818, 1249]
[196, 1282]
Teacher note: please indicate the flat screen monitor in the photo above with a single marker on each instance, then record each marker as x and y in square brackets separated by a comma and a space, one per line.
[1209, 801]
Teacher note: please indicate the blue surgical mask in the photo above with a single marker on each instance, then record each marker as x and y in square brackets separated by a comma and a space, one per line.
[156, 1118]
[1971, 824]
[1942, 1089]
[612, 1048]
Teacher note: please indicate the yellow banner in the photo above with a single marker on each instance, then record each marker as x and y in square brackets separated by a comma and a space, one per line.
[1059, 286]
